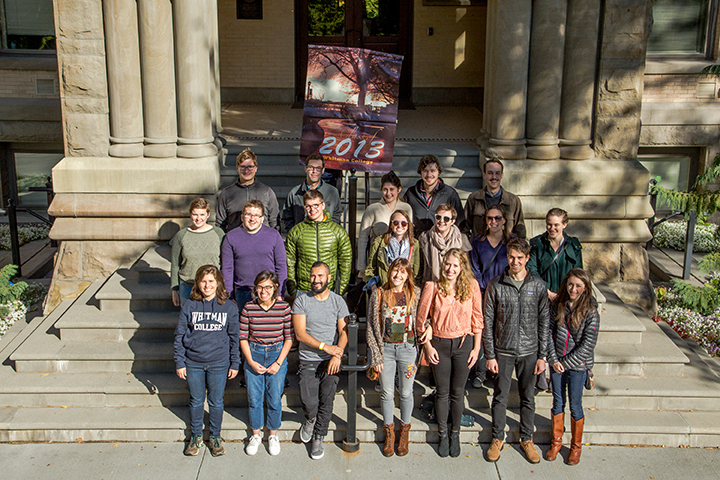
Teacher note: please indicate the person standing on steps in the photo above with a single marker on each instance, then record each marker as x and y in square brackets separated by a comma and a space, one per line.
[294, 210]
[193, 247]
[515, 339]
[392, 344]
[319, 320]
[574, 327]
[429, 192]
[493, 194]
[207, 354]
[232, 199]
[437, 241]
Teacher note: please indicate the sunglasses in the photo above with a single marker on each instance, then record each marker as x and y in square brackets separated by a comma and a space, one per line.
[442, 218]
[398, 222]
[497, 218]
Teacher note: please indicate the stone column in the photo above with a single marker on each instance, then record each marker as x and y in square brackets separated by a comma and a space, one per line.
[158, 77]
[578, 87]
[123, 69]
[193, 56]
[510, 77]
[547, 43]
[489, 65]
[215, 68]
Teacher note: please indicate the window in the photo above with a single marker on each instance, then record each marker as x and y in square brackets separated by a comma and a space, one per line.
[27, 24]
[683, 27]
[34, 170]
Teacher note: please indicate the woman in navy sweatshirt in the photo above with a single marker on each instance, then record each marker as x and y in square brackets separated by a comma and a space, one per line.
[207, 353]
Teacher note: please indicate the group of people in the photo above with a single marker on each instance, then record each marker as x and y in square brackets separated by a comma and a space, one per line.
[454, 287]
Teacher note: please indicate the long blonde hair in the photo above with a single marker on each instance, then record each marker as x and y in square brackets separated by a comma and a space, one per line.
[408, 289]
[463, 284]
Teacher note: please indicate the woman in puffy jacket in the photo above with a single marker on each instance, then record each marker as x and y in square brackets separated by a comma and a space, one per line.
[574, 325]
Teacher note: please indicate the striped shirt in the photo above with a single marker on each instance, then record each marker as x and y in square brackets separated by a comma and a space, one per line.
[266, 327]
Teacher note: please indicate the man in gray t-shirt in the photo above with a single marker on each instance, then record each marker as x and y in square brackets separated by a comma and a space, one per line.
[319, 322]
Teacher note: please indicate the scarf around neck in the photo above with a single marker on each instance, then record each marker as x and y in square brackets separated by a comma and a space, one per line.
[397, 249]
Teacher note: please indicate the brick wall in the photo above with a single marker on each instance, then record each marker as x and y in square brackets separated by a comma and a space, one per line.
[21, 83]
[676, 88]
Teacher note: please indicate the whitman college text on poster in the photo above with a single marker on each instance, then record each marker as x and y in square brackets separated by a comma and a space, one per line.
[351, 104]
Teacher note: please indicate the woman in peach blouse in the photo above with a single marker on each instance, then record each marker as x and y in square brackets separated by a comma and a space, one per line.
[449, 323]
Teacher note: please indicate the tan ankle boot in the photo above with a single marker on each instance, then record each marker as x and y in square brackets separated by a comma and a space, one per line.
[389, 447]
[558, 423]
[576, 427]
[403, 447]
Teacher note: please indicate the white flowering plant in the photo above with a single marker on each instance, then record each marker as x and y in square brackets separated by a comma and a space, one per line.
[16, 298]
[26, 233]
[673, 308]
[672, 235]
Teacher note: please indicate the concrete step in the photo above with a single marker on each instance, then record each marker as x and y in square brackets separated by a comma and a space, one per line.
[618, 324]
[124, 292]
[89, 424]
[154, 265]
[89, 324]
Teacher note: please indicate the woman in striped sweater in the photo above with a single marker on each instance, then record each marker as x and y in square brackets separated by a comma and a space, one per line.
[266, 335]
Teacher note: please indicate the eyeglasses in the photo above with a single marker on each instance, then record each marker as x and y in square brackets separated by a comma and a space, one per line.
[442, 218]
[496, 218]
[313, 206]
[397, 222]
[265, 288]
[314, 169]
[247, 168]
[252, 215]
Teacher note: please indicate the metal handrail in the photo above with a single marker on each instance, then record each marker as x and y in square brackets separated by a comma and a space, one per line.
[351, 444]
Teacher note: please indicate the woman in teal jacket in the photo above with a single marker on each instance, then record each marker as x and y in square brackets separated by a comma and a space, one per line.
[553, 254]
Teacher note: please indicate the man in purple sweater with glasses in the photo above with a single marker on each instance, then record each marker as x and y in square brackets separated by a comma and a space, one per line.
[248, 250]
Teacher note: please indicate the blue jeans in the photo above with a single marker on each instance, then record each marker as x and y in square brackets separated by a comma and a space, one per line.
[400, 357]
[570, 382]
[184, 292]
[242, 296]
[265, 386]
[210, 378]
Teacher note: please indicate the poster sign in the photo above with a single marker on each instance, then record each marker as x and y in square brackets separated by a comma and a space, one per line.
[351, 104]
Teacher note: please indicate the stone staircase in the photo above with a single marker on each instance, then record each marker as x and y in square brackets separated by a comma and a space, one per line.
[100, 369]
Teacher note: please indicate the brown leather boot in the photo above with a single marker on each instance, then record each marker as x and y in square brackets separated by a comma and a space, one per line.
[558, 423]
[389, 447]
[576, 427]
[403, 448]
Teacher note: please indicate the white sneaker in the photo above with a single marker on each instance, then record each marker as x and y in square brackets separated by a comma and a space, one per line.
[274, 445]
[253, 445]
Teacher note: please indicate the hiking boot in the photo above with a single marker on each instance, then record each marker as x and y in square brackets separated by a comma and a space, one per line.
[493, 452]
[454, 444]
[317, 451]
[216, 447]
[402, 448]
[253, 445]
[306, 431]
[273, 445]
[194, 446]
[444, 445]
[389, 446]
[528, 447]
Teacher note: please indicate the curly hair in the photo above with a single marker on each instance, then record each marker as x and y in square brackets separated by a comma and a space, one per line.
[463, 284]
[389, 232]
[582, 305]
[221, 294]
[409, 288]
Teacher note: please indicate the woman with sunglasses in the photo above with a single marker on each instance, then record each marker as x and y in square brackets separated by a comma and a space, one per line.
[391, 341]
[437, 241]
[450, 323]
[266, 335]
[396, 242]
[574, 326]
[376, 218]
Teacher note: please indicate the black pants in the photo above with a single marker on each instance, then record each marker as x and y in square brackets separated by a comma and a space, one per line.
[317, 393]
[451, 374]
[524, 368]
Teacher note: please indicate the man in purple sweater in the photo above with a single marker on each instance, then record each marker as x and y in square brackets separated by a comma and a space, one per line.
[248, 250]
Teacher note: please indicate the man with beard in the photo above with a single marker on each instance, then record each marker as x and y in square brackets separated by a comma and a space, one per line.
[320, 327]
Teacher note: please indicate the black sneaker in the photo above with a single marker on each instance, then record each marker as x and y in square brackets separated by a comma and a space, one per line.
[317, 451]
[306, 431]
[215, 445]
[194, 445]
[479, 380]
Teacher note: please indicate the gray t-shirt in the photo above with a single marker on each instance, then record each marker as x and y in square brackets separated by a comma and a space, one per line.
[320, 322]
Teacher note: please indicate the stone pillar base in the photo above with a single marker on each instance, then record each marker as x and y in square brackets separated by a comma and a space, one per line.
[540, 150]
[506, 149]
[576, 150]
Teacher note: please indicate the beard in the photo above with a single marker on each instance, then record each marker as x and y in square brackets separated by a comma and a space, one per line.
[319, 289]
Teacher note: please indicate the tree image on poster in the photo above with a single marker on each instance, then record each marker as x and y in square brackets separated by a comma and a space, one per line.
[351, 104]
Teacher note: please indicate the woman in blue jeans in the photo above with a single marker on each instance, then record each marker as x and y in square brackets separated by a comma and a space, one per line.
[574, 325]
[207, 353]
[391, 341]
[266, 335]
